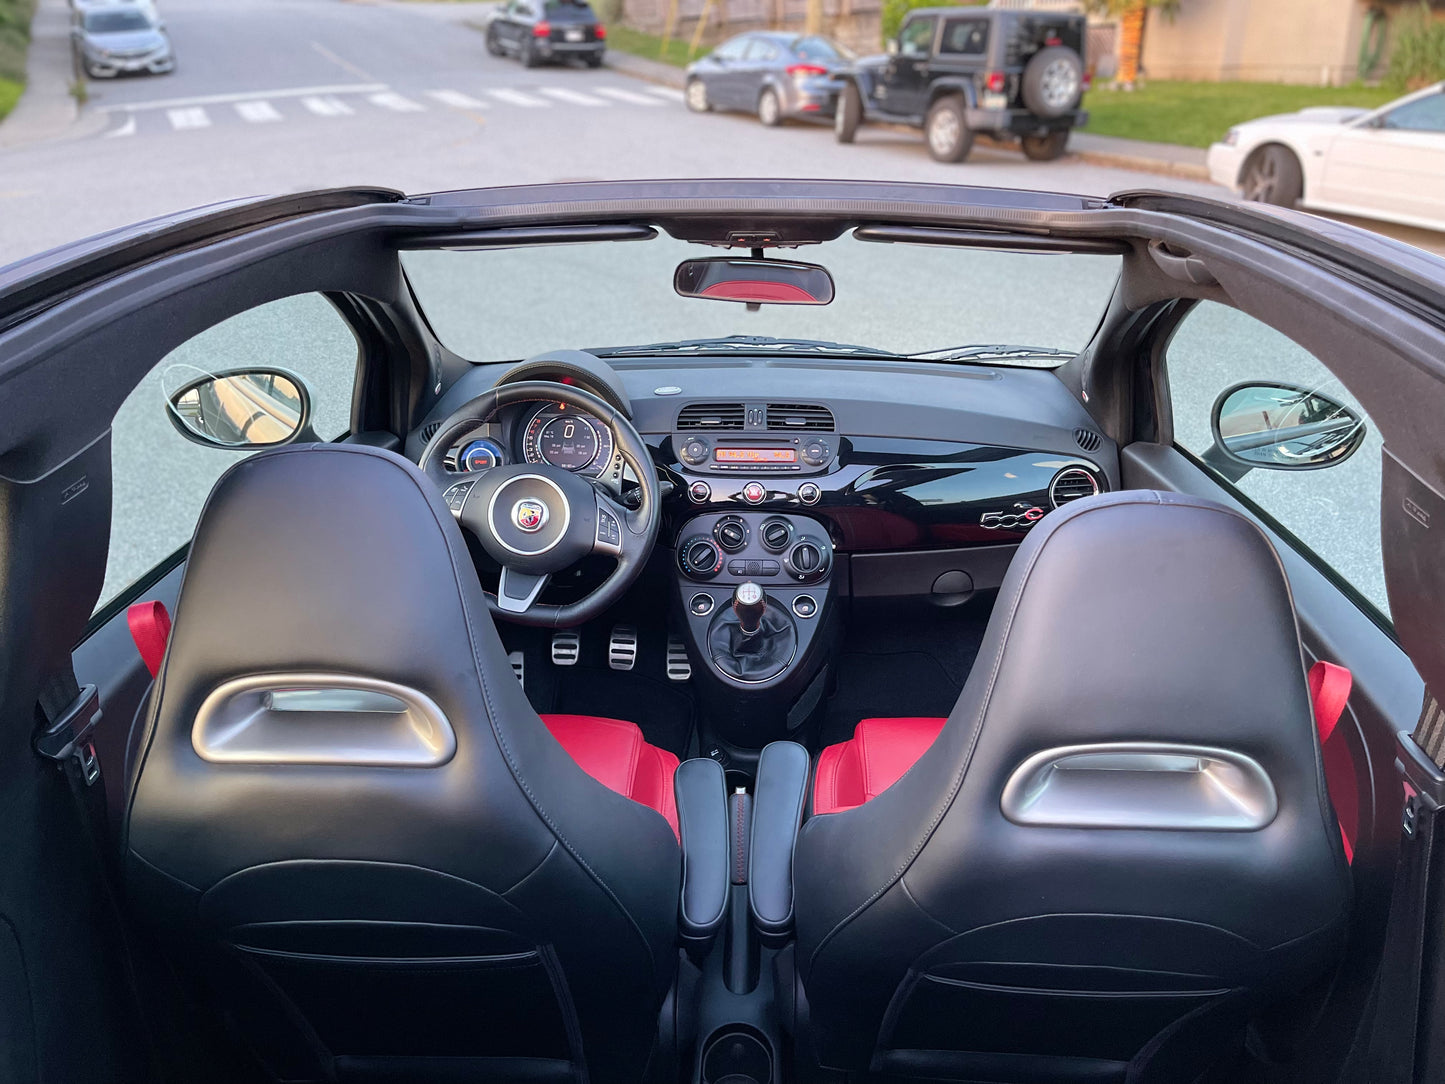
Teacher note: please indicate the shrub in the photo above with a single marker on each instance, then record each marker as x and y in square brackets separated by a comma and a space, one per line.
[15, 18]
[1418, 56]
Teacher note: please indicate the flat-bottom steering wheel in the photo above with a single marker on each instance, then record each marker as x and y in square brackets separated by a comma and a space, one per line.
[537, 520]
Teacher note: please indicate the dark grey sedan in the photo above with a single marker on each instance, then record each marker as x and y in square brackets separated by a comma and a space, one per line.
[776, 75]
[120, 37]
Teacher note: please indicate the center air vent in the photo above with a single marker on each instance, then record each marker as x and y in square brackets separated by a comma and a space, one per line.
[1070, 485]
[800, 416]
[711, 416]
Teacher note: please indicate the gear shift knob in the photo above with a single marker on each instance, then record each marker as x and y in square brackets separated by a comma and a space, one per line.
[749, 603]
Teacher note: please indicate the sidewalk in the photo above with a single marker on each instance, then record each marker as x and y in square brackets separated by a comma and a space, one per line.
[47, 110]
[1096, 149]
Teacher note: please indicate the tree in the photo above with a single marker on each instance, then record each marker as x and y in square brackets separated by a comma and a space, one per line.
[1131, 15]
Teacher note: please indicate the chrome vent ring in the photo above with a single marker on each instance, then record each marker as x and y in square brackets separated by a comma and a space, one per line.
[1072, 484]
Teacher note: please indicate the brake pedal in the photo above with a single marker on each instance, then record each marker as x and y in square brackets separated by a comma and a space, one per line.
[519, 666]
[566, 648]
[678, 666]
[622, 647]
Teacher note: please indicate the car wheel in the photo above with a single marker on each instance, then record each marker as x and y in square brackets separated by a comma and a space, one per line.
[1045, 148]
[1053, 81]
[1272, 175]
[696, 96]
[530, 57]
[494, 43]
[946, 130]
[770, 110]
[849, 114]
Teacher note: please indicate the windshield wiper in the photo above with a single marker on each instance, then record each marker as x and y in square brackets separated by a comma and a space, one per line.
[997, 351]
[746, 344]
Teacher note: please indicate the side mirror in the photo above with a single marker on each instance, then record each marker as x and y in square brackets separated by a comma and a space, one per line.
[242, 408]
[1280, 427]
[892, 47]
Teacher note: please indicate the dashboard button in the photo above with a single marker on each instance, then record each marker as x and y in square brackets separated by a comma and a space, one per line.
[755, 493]
[805, 606]
[699, 492]
[737, 568]
[701, 604]
[809, 493]
[694, 451]
[815, 453]
[770, 568]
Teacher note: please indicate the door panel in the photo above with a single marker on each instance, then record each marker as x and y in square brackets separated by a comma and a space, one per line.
[1395, 165]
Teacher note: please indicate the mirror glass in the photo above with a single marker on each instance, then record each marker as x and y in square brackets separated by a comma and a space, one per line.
[246, 408]
[1285, 428]
[755, 282]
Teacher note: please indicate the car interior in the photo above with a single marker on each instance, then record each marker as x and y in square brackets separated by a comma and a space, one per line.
[507, 702]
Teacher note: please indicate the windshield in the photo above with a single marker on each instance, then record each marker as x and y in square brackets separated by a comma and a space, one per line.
[112, 22]
[499, 305]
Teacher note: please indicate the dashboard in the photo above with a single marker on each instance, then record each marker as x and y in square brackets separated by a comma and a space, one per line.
[549, 432]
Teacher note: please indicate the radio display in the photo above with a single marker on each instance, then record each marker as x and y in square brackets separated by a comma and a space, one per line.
[755, 455]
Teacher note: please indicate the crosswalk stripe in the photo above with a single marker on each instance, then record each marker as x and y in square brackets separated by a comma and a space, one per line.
[516, 97]
[670, 93]
[192, 117]
[629, 96]
[562, 94]
[327, 106]
[257, 112]
[391, 100]
[456, 99]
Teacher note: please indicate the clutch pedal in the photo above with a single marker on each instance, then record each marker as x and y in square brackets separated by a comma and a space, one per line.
[678, 666]
[519, 666]
[622, 647]
[566, 648]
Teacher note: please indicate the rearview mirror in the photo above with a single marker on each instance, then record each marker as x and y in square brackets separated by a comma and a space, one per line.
[754, 282]
[242, 408]
[1280, 427]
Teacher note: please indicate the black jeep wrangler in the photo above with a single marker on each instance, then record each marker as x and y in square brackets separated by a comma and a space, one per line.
[956, 71]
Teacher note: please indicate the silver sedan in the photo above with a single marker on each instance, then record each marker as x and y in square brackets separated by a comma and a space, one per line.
[776, 75]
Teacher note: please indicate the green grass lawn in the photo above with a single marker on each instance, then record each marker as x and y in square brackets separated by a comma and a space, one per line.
[1198, 114]
[14, 40]
[626, 40]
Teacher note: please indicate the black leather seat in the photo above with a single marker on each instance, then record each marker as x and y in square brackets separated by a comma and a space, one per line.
[350, 822]
[1119, 848]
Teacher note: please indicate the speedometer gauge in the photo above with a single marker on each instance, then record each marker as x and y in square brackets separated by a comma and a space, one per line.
[564, 437]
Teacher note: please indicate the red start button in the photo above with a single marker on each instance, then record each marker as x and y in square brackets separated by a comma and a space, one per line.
[755, 493]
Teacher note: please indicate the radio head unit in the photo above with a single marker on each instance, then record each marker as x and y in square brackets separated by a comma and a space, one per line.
[755, 454]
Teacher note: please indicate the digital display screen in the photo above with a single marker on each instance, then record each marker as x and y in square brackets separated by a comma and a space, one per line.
[755, 455]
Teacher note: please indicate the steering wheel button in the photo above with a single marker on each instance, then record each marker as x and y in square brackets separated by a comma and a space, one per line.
[755, 493]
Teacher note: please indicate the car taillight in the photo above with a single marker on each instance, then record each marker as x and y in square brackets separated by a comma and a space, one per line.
[1088, 80]
[806, 69]
[601, 32]
[542, 30]
[994, 81]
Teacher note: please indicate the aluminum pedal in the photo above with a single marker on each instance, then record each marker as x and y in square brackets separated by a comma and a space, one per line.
[622, 647]
[566, 648]
[519, 666]
[678, 666]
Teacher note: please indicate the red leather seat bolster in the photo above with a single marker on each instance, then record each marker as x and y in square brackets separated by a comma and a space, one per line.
[612, 752]
[877, 756]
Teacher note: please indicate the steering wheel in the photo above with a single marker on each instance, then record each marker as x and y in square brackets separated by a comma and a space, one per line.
[537, 520]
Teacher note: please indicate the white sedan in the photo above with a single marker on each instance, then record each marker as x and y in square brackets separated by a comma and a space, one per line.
[1388, 163]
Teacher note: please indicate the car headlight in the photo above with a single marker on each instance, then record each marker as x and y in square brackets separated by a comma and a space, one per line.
[1231, 137]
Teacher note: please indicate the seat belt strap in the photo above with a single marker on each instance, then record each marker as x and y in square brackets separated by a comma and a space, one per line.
[1394, 1040]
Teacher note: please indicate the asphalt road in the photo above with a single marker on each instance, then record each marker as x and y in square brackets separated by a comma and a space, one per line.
[274, 96]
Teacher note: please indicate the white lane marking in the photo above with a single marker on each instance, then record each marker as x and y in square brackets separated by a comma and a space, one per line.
[395, 102]
[516, 97]
[327, 106]
[126, 129]
[221, 99]
[193, 117]
[670, 93]
[456, 99]
[572, 97]
[258, 112]
[630, 96]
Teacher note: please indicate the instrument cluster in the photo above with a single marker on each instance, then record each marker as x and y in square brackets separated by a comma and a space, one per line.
[552, 433]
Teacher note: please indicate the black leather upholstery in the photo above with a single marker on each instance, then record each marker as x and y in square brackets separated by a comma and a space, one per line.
[702, 822]
[499, 916]
[937, 938]
[781, 795]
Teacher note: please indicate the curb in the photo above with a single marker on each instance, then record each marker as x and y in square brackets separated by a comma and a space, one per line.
[47, 111]
[1142, 164]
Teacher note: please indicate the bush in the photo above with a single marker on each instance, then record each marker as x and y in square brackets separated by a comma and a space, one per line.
[15, 18]
[1418, 56]
[895, 10]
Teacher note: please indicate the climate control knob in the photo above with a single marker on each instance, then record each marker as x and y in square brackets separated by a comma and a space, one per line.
[699, 558]
[731, 533]
[776, 534]
[808, 559]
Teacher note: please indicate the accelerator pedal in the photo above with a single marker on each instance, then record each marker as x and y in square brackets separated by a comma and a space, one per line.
[566, 647]
[622, 647]
[519, 665]
[678, 666]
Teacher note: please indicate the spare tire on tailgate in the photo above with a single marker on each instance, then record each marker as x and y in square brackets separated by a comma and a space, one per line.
[1053, 81]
